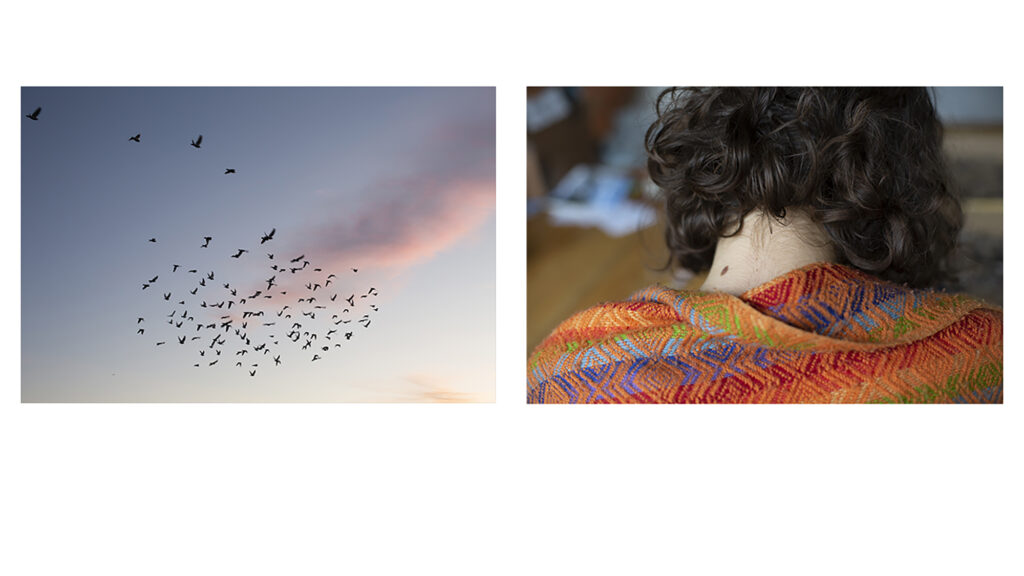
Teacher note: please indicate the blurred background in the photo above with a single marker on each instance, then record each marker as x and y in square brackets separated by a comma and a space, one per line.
[595, 230]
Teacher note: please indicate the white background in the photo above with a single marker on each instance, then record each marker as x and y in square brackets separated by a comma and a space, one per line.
[506, 488]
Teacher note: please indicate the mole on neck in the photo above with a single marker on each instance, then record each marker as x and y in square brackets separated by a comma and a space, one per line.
[765, 248]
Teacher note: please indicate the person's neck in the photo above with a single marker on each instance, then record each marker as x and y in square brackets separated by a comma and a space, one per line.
[766, 248]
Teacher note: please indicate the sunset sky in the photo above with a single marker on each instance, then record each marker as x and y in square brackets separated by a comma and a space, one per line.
[398, 183]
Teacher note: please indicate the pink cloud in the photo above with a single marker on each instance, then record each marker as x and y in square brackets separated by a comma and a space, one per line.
[408, 221]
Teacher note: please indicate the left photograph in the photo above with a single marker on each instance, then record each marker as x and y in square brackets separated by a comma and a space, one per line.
[257, 244]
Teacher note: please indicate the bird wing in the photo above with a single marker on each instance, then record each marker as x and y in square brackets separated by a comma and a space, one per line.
[200, 139]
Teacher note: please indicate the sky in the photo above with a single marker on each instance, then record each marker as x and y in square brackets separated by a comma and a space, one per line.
[397, 183]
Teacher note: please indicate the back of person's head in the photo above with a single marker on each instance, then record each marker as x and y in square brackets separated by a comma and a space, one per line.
[865, 162]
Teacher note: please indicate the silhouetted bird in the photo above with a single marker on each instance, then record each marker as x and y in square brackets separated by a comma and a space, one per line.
[293, 259]
[140, 320]
[154, 279]
[238, 254]
[34, 115]
[167, 296]
[136, 138]
[197, 142]
[144, 286]
[315, 358]
[176, 266]
[277, 360]
[207, 238]
[141, 331]
[252, 372]
[194, 290]
[152, 239]
[268, 236]
[210, 275]
[229, 171]
[159, 343]
[181, 340]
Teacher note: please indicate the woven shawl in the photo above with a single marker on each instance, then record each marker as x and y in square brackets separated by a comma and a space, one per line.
[824, 333]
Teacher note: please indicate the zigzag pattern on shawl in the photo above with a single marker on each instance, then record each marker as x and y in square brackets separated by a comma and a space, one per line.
[824, 333]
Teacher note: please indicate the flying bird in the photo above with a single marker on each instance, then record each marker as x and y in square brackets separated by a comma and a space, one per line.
[136, 138]
[268, 236]
[238, 254]
[294, 260]
[34, 115]
[154, 279]
[152, 239]
[167, 296]
[229, 171]
[140, 320]
[176, 266]
[207, 238]
[197, 142]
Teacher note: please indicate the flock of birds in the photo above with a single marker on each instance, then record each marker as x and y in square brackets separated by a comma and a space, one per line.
[312, 314]
[307, 310]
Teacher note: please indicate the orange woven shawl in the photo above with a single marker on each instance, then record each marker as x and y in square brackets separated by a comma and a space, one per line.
[823, 333]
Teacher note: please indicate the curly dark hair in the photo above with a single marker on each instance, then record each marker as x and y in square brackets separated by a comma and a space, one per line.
[866, 163]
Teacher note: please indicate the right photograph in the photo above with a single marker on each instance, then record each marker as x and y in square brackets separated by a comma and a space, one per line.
[764, 245]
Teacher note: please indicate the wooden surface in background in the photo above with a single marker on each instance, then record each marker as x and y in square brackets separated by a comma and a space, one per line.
[570, 268]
